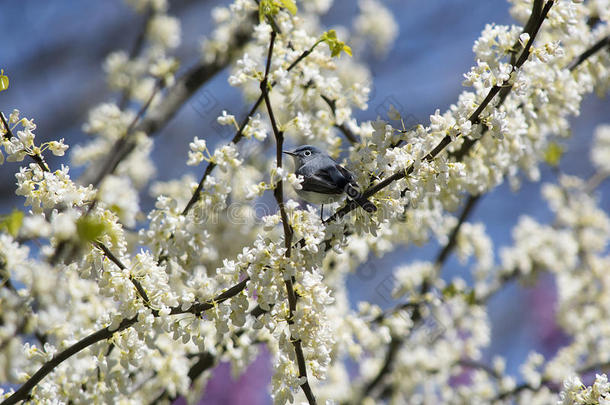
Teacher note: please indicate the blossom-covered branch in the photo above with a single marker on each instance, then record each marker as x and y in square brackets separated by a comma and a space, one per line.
[279, 198]
[106, 333]
[473, 118]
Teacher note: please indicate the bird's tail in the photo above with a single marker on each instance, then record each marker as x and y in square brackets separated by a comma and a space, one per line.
[359, 198]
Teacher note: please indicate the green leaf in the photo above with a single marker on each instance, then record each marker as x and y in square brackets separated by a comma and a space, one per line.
[89, 229]
[334, 44]
[471, 298]
[449, 291]
[12, 223]
[269, 8]
[289, 5]
[347, 49]
[3, 81]
[553, 154]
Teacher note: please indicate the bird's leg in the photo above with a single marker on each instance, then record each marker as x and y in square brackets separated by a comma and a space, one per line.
[322, 213]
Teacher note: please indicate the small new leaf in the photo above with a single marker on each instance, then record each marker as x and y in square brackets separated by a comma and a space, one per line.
[289, 5]
[269, 8]
[11, 223]
[471, 298]
[449, 291]
[553, 154]
[3, 81]
[89, 229]
[334, 44]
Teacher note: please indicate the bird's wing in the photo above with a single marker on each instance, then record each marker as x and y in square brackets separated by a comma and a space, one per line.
[347, 174]
[319, 180]
[330, 178]
[320, 184]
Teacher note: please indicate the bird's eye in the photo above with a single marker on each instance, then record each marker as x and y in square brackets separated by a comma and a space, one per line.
[307, 153]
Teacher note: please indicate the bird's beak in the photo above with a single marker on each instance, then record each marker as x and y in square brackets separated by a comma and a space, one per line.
[289, 153]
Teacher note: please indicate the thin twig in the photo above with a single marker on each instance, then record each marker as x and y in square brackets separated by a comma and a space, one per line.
[599, 45]
[469, 363]
[349, 135]
[393, 346]
[136, 49]
[211, 165]
[113, 161]
[240, 131]
[471, 202]
[121, 266]
[37, 158]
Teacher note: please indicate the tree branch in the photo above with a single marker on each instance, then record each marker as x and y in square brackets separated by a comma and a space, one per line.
[349, 135]
[113, 160]
[599, 45]
[438, 262]
[121, 266]
[197, 308]
[23, 392]
[469, 142]
[136, 49]
[288, 233]
[474, 118]
[468, 208]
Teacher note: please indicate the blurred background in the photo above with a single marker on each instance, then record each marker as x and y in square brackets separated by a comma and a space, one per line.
[53, 51]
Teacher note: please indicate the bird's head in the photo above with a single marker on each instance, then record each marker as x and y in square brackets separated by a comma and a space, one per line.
[304, 154]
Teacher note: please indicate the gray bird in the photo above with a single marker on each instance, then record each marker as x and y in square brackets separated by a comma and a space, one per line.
[324, 180]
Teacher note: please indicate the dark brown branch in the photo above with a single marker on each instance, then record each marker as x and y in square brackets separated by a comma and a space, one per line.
[468, 207]
[474, 118]
[23, 392]
[288, 233]
[577, 61]
[121, 266]
[599, 45]
[113, 161]
[211, 165]
[438, 262]
[501, 282]
[136, 49]
[393, 347]
[200, 307]
[349, 135]
[472, 364]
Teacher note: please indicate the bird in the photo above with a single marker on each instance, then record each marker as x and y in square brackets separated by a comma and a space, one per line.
[324, 180]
